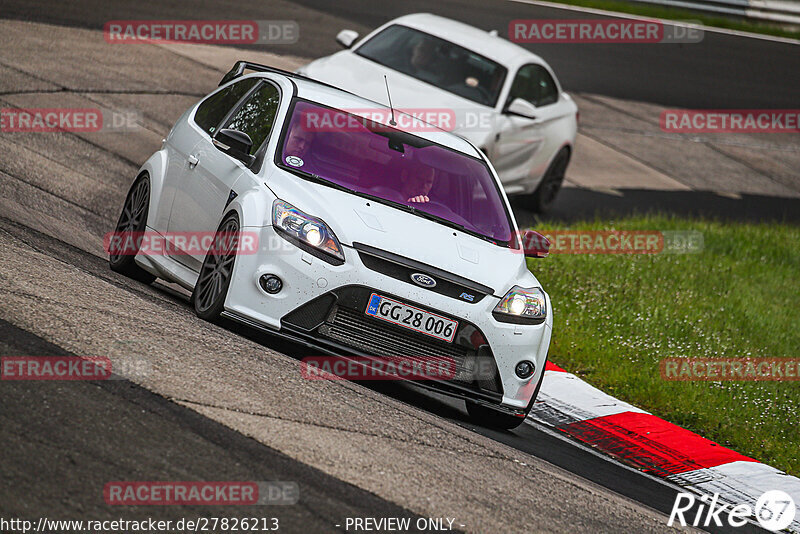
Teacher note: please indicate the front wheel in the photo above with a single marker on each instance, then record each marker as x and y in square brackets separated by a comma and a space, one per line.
[130, 227]
[490, 418]
[217, 270]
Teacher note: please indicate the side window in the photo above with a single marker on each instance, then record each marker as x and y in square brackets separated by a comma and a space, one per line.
[548, 92]
[255, 117]
[534, 84]
[214, 108]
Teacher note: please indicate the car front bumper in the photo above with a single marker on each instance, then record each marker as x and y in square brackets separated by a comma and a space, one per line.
[323, 305]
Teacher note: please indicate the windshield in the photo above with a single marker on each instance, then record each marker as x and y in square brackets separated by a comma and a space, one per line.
[437, 62]
[394, 167]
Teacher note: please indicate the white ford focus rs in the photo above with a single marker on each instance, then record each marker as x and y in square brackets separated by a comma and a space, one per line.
[372, 242]
[504, 99]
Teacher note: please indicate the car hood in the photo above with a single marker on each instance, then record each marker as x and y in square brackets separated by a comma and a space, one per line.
[364, 77]
[355, 219]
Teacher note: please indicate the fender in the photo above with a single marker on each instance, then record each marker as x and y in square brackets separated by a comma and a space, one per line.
[253, 202]
[566, 144]
[154, 167]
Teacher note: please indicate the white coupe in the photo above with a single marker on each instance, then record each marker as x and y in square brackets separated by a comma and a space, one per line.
[504, 99]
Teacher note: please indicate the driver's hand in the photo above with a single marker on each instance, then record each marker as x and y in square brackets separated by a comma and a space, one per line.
[419, 198]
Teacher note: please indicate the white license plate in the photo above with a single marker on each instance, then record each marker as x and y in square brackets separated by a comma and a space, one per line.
[411, 317]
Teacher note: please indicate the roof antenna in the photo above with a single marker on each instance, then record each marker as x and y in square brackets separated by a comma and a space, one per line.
[392, 122]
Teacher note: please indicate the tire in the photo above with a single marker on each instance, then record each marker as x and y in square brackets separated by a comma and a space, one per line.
[542, 200]
[215, 275]
[490, 418]
[133, 219]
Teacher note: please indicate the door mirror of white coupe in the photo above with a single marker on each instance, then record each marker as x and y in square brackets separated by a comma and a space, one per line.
[346, 38]
[521, 108]
[236, 144]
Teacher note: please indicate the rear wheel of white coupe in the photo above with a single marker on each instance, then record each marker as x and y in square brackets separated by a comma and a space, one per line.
[217, 270]
[542, 200]
[132, 221]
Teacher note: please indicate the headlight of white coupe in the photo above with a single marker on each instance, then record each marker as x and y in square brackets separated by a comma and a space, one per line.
[307, 232]
[522, 306]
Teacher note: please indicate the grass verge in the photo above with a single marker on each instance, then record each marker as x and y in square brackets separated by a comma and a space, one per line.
[669, 13]
[616, 316]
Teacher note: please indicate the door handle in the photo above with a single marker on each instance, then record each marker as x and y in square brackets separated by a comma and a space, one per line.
[193, 161]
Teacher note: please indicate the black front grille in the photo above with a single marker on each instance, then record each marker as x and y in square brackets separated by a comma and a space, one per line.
[358, 328]
[339, 316]
[359, 331]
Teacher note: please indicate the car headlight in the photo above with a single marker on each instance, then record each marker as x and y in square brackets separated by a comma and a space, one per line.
[307, 232]
[522, 306]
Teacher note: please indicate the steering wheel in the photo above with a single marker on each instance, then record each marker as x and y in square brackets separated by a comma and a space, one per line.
[487, 96]
[458, 88]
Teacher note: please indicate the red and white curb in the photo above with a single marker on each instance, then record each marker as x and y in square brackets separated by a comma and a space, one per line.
[655, 446]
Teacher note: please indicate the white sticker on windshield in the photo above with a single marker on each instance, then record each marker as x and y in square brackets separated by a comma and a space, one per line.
[294, 161]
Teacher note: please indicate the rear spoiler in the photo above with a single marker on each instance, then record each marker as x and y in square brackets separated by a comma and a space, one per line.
[240, 66]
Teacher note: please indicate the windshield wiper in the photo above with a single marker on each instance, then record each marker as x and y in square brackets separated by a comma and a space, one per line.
[432, 217]
[316, 178]
[461, 227]
[305, 174]
[447, 222]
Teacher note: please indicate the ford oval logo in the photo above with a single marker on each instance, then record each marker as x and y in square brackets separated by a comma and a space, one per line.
[423, 280]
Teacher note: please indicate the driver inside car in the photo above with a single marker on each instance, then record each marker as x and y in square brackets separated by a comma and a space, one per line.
[299, 141]
[423, 59]
[417, 186]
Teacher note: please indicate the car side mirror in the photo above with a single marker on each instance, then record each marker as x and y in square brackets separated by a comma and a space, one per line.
[236, 144]
[535, 245]
[521, 108]
[346, 38]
